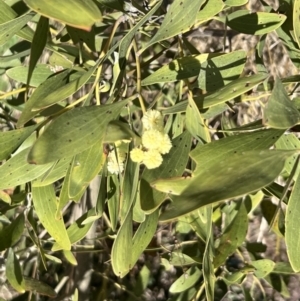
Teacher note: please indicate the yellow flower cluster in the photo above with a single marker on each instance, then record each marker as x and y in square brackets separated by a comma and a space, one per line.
[115, 159]
[154, 141]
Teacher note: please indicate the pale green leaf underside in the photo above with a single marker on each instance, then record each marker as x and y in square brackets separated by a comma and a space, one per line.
[11, 27]
[289, 141]
[77, 13]
[10, 140]
[263, 267]
[8, 14]
[78, 230]
[122, 248]
[51, 84]
[64, 91]
[57, 171]
[209, 10]
[83, 127]
[85, 167]
[143, 236]
[40, 74]
[186, 280]
[235, 2]
[45, 205]
[17, 170]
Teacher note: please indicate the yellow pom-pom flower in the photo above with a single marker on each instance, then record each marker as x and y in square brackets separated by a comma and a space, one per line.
[151, 139]
[137, 155]
[152, 159]
[156, 140]
[153, 120]
[165, 144]
[114, 165]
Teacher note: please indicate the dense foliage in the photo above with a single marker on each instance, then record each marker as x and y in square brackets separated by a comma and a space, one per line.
[125, 174]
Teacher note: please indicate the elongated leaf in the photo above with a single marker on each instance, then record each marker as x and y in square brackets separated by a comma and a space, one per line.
[114, 198]
[236, 277]
[209, 10]
[126, 40]
[181, 68]
[10, 140]
[122, 248]
[263, 267]
[80, 228]
[77, 13]
[129, 188]
[44, 89]
[292, 224]
[39, 75]
[37, 286]
[173, 164]
[5, 197]
[56, 172]
[82, 128]
[38, 44]
[283, 268]
[296, 16]
[195, 123]
[14, 272]
[235, 2]
[10, 234]
[143, 236]
[221, 70]
[116, 131]
[289, 141]
[180, 17]
[179, 259]
[12, 26]
[206, 113]
[85, 167]
[8, 14]
[241, 173]
[197, 222]
[17, 170]
[45, 205]
[64, 91]
[230, 91]
[13, 59]
[212, 104]
[213, 70]
[70, 257]
[208, 265]
[64, 194]
[219, 151]
[233, 237]
[280, 112]
[186, 280]
[258, 23]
